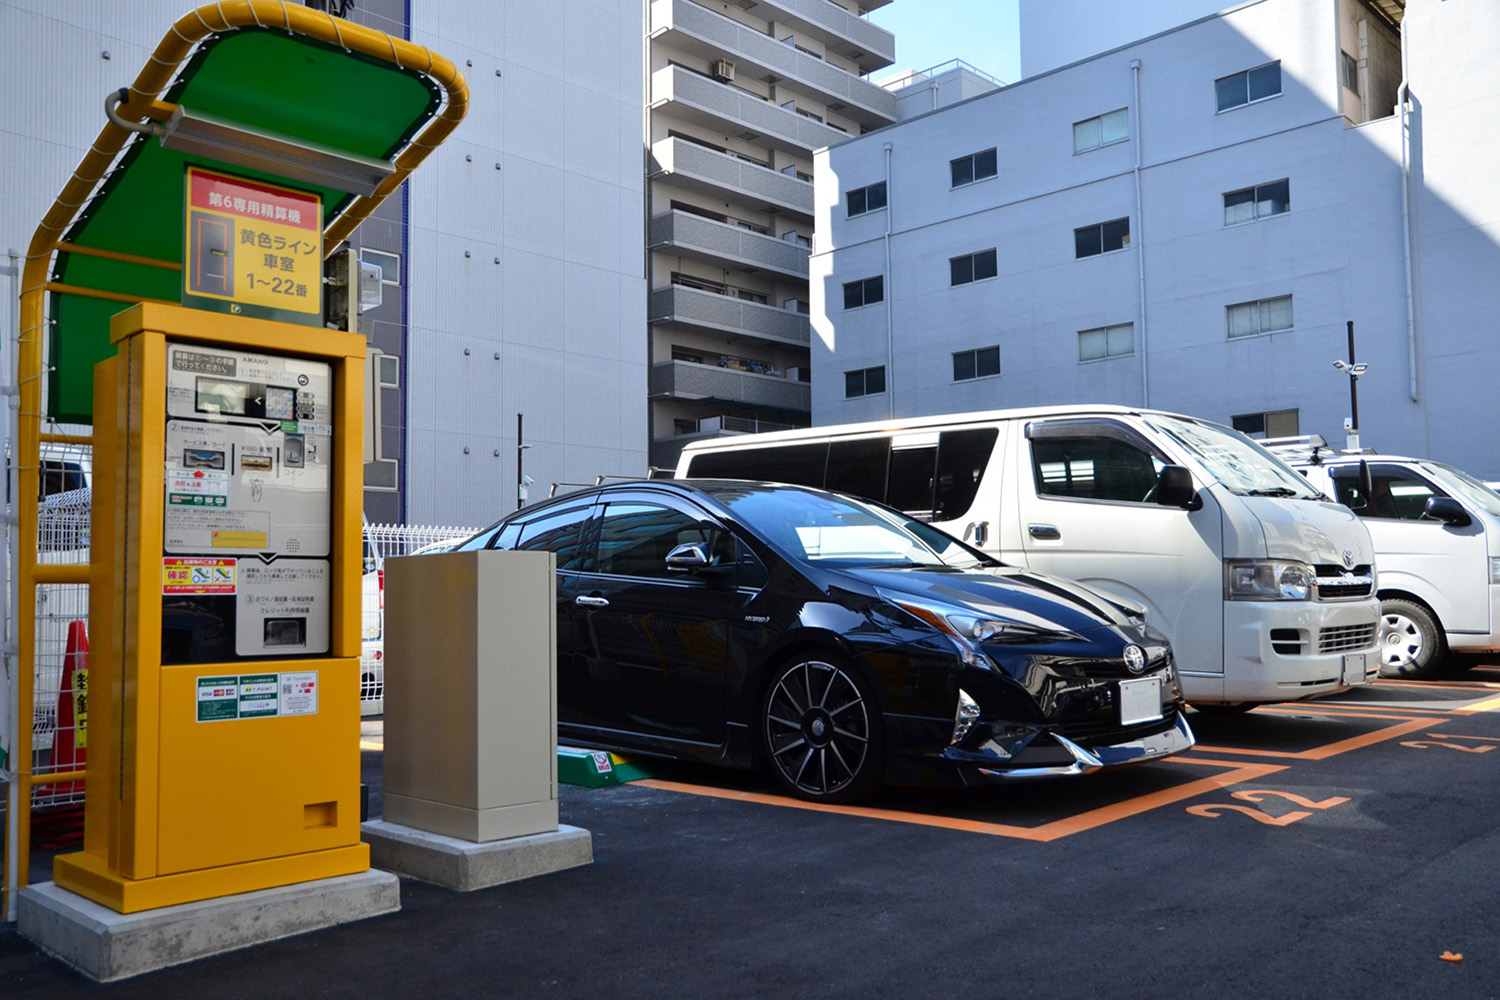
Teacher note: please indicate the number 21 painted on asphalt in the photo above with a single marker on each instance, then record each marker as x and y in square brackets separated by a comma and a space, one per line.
[1441, 740]
[1212, 811]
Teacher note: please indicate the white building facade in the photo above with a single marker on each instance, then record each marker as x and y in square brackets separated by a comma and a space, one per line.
[514, 280]
[1189, 222]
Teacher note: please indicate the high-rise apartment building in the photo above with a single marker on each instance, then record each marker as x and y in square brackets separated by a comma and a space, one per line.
[740, 94]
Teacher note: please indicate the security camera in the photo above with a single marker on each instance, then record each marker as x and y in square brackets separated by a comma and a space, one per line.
[527, 480]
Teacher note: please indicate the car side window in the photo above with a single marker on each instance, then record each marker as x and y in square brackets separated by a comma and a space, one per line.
[1093, 460]
[560, 532]
[635, 537]
[1397, 493]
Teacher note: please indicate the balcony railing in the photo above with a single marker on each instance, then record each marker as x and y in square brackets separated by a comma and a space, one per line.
[705, 383]
[717, 313]
[731, 247]
[869, 45]
[697, 98]
[730, 178]
[713, 35]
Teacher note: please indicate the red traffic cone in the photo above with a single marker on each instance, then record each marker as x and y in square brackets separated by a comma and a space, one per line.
[70, 740]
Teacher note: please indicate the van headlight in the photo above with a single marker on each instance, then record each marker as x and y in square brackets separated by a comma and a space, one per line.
[1267, 580]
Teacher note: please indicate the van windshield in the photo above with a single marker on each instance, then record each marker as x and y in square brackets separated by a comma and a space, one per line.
[1234, 460]
[1470, 489]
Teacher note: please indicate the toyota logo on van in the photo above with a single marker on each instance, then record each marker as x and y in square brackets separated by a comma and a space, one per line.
[1348, 559]
[1135, 659]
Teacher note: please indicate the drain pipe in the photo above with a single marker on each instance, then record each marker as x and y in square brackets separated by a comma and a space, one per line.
[890, 330]
[10, 711]
[1140, 234]
[1403, 92]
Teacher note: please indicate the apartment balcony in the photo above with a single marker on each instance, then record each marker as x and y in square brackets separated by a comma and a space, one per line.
[695, 30]
[841, 31]
[726, 245]
[731, 178]
[711, 384]
[696, 98]
[725, 314]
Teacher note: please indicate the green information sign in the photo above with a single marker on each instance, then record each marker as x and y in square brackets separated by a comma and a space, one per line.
[258, 695]
[218, 698]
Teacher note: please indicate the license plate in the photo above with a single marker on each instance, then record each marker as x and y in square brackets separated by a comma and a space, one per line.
[1140, 700]
[1354, 667]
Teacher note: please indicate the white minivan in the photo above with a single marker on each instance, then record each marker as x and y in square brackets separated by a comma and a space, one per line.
[1436, 531]
[1264, 585]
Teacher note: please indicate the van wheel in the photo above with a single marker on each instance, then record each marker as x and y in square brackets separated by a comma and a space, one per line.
[822, 731]
[1411, 644]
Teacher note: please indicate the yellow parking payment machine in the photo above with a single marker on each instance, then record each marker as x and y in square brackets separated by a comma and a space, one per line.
[230, 670]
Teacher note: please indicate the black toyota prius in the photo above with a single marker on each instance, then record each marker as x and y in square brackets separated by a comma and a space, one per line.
[835, 641]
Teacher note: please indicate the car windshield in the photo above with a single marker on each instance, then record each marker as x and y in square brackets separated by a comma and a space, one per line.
[827, 529]
[1471, 489]
[1234, 460]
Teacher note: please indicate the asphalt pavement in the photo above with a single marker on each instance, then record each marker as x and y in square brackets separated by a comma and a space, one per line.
[1348, 848]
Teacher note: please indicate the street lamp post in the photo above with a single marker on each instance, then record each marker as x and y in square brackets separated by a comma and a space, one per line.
[1351, 442]
[522, 480]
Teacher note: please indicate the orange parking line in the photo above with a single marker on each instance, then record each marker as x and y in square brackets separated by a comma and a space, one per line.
[1045, 833]
[1332, 749]
[1448, 686]
[1338, 713]
[1489, 705]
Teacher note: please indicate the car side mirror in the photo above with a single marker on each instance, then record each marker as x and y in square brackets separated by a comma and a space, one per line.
[687, 558]
[1447, 510]
[1174, 488]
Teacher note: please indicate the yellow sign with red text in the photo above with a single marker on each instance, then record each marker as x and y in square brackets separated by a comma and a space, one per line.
[252, 248]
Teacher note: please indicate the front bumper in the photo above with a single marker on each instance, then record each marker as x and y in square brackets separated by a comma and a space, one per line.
[1174, 740]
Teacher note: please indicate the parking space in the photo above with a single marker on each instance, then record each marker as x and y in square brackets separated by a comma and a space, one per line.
[1338, 848]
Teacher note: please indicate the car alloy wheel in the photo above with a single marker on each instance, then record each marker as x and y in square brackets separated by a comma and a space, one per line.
[822, 732]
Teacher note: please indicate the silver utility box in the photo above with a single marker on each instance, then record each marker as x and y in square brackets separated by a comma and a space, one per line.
[471, 694]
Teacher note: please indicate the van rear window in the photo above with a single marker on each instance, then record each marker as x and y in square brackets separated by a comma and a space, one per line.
[799, 465]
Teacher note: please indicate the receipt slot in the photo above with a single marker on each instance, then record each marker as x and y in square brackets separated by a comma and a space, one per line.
[229, 671]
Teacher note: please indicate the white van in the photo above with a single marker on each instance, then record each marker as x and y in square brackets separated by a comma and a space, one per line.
[1265, 586]
[1436, 531]
[372, 628]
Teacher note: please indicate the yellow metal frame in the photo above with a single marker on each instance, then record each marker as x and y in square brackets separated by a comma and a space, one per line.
[145, 102]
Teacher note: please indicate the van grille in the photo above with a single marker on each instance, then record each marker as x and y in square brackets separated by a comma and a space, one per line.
[1336, 583]
[1344, 638]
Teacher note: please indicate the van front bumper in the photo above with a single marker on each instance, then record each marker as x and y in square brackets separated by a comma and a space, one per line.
[1275, 651]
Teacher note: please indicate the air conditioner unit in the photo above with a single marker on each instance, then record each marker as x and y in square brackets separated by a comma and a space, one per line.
[723, 69]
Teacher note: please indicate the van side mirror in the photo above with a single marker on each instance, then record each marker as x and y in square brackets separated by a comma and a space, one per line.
[1174, 488]
[1447, 510]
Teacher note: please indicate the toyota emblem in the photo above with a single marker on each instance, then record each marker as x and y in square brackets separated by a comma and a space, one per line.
[1135, 659]
[1348, 559]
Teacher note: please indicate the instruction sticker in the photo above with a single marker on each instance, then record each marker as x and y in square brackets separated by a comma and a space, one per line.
[197, 487]
[197, 576]
[258, 694]
[218, 698]
[299, 693]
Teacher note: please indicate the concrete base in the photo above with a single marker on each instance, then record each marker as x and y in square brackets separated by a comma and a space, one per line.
[106, 946]
[465, 865]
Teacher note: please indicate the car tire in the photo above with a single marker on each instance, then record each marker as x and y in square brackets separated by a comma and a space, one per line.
[1411, 644]
[821, 730]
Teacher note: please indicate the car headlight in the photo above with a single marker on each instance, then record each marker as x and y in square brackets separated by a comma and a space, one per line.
[967, 630]
[1267, 580]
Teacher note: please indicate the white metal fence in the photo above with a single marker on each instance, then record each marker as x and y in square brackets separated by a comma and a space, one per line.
[63, 537]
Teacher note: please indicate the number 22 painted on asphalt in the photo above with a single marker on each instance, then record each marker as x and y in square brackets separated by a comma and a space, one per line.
[1212, 811]
[1441, 740]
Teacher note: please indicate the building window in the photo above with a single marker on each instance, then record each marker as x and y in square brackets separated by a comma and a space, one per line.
[864, 382]
[1091, 241]
[1350, 67]
[865, 199]
[1248, 87]
[972, 267]
[1274, 424]
[1248, 319]
[976, 364]
[1101, 130]
[1259, 202]
[865, 292]
[1106, 342]
[974, 167]
[389, 264]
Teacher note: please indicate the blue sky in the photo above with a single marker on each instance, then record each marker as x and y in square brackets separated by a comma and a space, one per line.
[983, 33]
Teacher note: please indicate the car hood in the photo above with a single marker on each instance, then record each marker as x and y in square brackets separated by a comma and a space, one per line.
[1312, 531]
[1019, 595]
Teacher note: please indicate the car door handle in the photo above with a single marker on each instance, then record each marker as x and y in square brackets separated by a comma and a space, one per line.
[591, 602]
[1043, 531]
